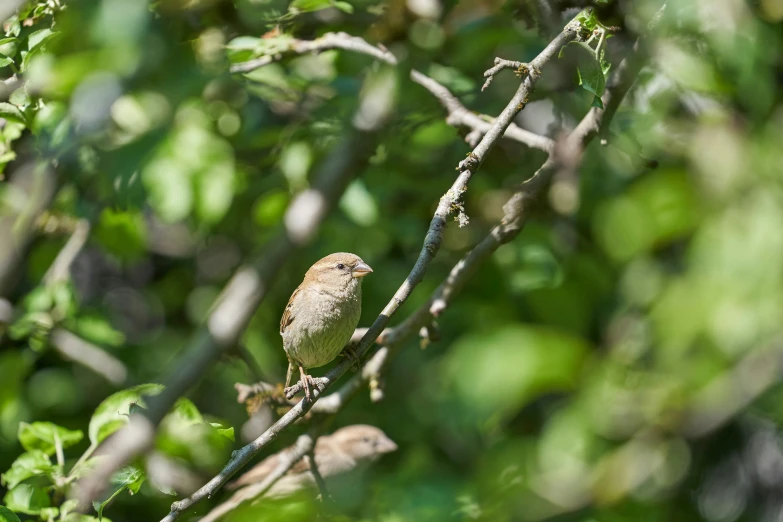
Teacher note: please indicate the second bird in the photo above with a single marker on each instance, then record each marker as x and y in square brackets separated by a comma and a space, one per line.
[322, 314]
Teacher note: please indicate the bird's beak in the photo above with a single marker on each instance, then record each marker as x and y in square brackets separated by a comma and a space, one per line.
[386, 445]
[361, 270]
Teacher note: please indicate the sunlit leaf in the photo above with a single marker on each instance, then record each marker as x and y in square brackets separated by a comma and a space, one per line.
[226, 432]
[343, 6]
[129, 478]
[27, 465]
[45, 436]
[306, 6]
[11, 112]
[26, 498]
[112, 413]
[589, 70]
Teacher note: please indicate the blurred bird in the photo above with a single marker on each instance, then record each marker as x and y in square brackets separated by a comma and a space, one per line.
[347, 450]
[322, 314]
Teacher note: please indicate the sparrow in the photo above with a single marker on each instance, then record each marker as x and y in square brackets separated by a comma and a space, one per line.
[347, 450]
[322, 314]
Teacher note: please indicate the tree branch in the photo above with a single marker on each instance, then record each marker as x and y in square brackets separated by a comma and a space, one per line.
[304, 445]
[76, 349]
[457, 114]
[449, 203]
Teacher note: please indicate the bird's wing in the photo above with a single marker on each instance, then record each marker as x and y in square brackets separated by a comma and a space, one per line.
[288, 316]
[260, 471]
[257, 473]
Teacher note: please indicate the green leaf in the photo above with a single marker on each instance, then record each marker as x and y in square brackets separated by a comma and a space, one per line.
[344, 7]
[68, 506]
[25, 498]
[586, 19]
[226, 432]
[307, 6]
[112, 413]
[122, 233]
[27, 465]
[8, 47]
[589, 69]
[129, 478]
[36, 43]
[244, 43]
[185, 410]
[5, 61]
[98, 330]
[38, 38]
[14, 26]
[19, 97]
[11, 112]
[41, 436]
[6, 515]
[246, 47]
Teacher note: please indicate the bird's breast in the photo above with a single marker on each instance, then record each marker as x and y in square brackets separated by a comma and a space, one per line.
[322, 325]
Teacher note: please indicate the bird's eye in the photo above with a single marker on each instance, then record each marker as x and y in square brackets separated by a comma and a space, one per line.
[365, 439]
[340, 266]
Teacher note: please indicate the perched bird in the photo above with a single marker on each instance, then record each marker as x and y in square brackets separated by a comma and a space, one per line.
[322, 314]
[347, 451]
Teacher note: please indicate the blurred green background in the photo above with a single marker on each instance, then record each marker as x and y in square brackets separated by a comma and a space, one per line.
[620, 360]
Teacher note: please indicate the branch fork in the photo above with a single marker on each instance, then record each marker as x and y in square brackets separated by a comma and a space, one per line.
[520, 69]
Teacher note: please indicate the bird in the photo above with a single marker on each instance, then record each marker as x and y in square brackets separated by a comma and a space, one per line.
[346, 451]
[322, 314]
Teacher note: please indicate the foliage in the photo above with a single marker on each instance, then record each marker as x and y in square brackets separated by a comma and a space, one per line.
[618, 360]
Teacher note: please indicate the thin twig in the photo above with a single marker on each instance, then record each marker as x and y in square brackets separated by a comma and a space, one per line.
[519, 68]
[457, 114]
[319, 480]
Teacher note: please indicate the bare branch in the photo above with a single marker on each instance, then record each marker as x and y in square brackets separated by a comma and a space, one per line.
[319, 479]
[519, 68]
[457, 114]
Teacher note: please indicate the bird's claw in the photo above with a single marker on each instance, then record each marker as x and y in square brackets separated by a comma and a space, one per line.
[306, 383]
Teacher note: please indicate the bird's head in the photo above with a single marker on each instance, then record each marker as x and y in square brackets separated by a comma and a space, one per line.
[363, 442]
[339, 270]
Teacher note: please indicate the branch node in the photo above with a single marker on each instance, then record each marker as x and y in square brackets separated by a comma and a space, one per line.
[520, 69]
